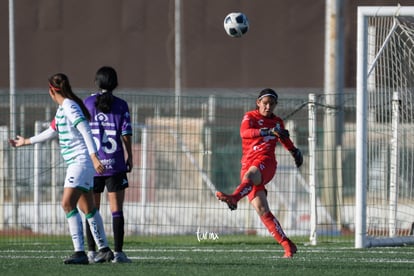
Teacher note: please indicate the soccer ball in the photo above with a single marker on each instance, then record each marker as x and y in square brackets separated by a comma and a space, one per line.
[236, 24]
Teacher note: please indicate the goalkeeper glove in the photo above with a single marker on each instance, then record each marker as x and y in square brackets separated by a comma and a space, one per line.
[280, 132]
[277, 131]
[265, 132]
[297, 155]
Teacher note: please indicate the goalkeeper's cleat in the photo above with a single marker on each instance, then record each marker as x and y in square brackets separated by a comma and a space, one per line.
[104, 255]
[290, 248]
[91, 256]
[78, 257]
[121, 257]
[230, 200]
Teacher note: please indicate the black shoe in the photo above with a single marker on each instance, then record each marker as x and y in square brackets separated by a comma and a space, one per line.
[121, 257]
[104, 255]
[79, 257]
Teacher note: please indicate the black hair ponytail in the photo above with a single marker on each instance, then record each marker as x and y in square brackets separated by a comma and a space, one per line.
[107, 80]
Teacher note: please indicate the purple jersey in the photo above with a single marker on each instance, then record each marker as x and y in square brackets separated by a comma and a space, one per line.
[107, 130]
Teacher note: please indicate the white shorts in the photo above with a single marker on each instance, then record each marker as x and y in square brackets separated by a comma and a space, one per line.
[80, 177]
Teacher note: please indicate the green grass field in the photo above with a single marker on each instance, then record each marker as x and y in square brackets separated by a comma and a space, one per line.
[228, 255]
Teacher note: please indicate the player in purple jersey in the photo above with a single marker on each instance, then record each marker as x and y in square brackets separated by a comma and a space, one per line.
[79, 151]
[111, 129]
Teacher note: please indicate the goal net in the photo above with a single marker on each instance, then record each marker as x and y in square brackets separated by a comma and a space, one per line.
[385, 127]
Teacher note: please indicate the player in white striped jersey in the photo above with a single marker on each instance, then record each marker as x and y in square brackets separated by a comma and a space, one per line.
[79, 151]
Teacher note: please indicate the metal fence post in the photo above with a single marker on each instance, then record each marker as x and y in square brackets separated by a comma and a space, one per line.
[312, 169]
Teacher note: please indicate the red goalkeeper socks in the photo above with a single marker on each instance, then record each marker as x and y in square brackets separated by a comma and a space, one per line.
[243, 189]
[273, 225]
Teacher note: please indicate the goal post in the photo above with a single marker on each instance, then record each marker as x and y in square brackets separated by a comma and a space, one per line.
[384, 197]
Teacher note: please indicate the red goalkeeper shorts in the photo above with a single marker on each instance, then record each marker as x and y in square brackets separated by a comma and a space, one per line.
[267, 168]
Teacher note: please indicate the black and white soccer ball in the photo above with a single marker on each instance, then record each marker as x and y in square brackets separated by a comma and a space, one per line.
[236, 24]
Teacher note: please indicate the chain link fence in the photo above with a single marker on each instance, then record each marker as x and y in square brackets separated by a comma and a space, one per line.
[181, 157]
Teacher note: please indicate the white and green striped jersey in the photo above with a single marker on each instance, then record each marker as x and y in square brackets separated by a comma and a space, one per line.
[72, 145]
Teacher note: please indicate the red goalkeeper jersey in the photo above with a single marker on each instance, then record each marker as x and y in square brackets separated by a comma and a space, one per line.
[255, 146]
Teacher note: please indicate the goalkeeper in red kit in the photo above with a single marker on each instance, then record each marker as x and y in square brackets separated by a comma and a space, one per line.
[260, 130]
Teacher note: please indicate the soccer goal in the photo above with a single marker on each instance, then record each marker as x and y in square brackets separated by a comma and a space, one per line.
[385, 127]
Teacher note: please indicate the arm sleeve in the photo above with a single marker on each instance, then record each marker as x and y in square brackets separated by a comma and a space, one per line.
[245, 131]
[287, 143]
[86, 132]
[45, 135]
[126, 121]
